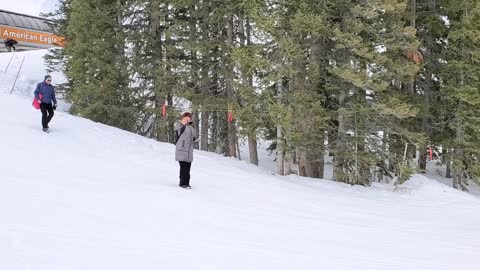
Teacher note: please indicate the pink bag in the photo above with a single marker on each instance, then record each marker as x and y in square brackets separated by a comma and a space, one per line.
[35, 103]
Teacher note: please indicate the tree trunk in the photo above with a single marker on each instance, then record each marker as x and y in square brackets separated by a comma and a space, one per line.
[304, 166]
[288, 162]
[410, 86]
[427, 96]
[231, 133]
[280, 140]
[245, 36]
[280, 151]
[194, 79]
[196, 119]
[458, 168]
[317, 158]
[456, 179]
[362, 167]
[204, 131]
[382, 173]
[170, 121]
[124, 94]
[413, 11]
[422, 158]
[446, 155]
[205, 82]
[318, 165]
[252, 149]
[212, 147]
[222, 132]
[158, 84]
[340, 144]
[458, 153]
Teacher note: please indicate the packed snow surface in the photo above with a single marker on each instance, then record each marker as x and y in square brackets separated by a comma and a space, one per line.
[88, 196]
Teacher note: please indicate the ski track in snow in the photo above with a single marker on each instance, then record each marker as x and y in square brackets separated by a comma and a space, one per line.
[88, 196]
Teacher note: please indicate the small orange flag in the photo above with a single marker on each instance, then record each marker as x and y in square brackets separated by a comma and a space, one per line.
[164, 109]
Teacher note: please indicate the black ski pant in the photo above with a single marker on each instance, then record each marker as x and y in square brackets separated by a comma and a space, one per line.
[47, 113]
[185, 173]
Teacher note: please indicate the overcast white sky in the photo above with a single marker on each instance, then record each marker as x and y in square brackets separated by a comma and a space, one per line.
[31, 7]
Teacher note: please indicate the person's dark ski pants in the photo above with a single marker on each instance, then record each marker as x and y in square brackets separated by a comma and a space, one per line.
[47, 113]
[185, 173]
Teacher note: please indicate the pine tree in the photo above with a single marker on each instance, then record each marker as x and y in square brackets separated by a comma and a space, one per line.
[350, 67]
[95, 67]
[460, 89]
[55, 59]
[431, 31]
[369, 82]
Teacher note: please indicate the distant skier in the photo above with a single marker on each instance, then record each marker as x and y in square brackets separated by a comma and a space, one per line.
[185, 137]
[45, 96]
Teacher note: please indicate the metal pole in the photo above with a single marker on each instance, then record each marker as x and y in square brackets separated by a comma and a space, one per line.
[18, 73]
[9, 62]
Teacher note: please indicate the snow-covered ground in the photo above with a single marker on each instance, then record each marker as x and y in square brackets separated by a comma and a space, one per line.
[33, 71]
[436, 171]
[88, 196]
[266, 160]
[30, 73]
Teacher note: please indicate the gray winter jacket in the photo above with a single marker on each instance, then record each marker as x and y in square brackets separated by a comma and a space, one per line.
[185, 143]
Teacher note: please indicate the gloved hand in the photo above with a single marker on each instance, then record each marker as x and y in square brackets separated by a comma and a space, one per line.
[54, 107]
[39, 101]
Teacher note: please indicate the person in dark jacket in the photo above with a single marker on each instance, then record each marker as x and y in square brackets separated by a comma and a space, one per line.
[185, 137]
[45, 95]
[10, 43]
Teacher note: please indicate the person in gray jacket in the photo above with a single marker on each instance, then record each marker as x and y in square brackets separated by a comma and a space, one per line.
[185, 137]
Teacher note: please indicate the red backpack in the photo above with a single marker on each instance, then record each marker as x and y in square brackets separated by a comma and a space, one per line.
[35, 103]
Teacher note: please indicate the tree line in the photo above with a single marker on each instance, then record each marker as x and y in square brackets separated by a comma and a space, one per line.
[374, 84]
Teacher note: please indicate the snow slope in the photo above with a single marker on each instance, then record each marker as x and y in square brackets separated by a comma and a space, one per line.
[88, 196]
[29, 74]
[436, 171]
